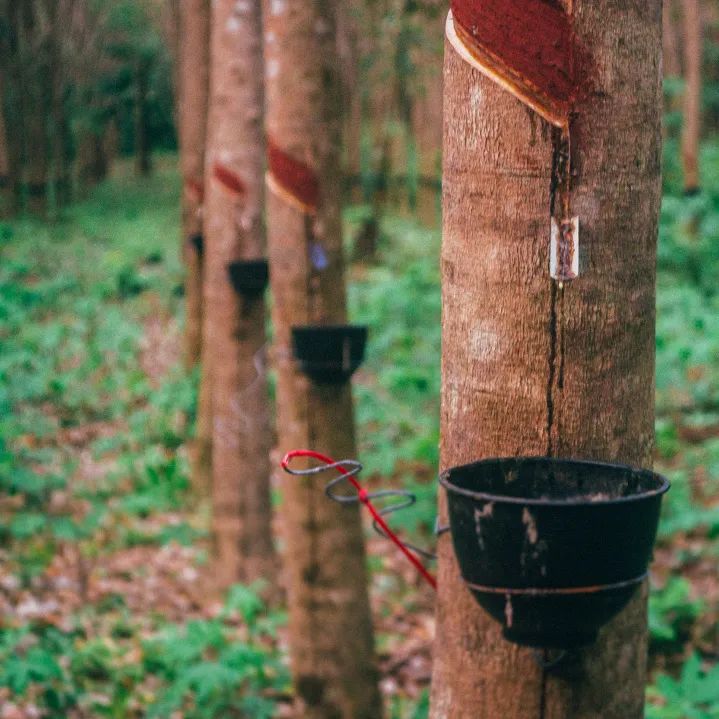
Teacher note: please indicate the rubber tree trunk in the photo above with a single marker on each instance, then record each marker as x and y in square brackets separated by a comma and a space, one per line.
[672, 62]
[59, 126]
[92, 163]
[172, 29]
[529, 368]
[14, 106]
[36, 91]
[194, 57]
[37, 159]
[331, 644]
[691, 129]
[7, 183]
[111, 143]
[235, 322]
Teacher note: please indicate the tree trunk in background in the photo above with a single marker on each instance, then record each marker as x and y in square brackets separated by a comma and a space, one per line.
[348, 54]
[91, 161]
[143, 156]
[672, 62]
[7, 183]
[331, 643]
[111, 143]
[691, 129]
[531, 369]
[57, 121]
[37, 149]
[194, 60]
[194, 51]
[14, 104]
[35, 89]
[235, 322]
[710, 70]
[427, 119]
[172, 31]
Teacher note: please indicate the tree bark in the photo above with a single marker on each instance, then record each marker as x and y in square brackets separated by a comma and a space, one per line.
[59, 128]
[331, 644]
[235, 336]
[7, 184]
[194, 57]
[529, 368]
[35, 89]
[691, 129]
[14, 104]
[672, 62]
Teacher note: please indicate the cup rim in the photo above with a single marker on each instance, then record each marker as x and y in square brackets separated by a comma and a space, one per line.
[580, 500]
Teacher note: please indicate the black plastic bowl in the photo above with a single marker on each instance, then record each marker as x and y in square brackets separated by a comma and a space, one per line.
[249, 277]
[329, 354]
[553, 548]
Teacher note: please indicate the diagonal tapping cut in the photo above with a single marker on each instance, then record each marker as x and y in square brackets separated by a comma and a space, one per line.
[527, 46]
[292, 179]
[229, 179]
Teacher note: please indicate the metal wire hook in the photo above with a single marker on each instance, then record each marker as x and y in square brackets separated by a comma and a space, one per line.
[349, 469]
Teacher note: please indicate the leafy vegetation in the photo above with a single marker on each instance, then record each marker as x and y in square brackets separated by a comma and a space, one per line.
[95, 417]
[95, 414]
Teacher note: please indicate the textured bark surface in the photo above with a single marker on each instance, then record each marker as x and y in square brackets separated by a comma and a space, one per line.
[235, 335]
[330, 624]
[691, 129]
[531, 369]
[194, 57]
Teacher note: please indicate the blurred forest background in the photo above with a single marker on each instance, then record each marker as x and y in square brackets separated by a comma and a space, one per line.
[102, 543]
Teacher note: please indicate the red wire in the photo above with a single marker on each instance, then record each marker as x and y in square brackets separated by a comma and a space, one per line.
[364, 498]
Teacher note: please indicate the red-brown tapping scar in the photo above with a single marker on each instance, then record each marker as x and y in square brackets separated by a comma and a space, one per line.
[230, 180]
[530, 47]
[293, 177]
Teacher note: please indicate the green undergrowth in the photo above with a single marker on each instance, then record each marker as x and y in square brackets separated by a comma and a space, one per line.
[107, 663]
[94, 419]
[94, 425]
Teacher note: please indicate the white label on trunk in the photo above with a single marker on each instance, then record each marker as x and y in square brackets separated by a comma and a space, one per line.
[564, 250]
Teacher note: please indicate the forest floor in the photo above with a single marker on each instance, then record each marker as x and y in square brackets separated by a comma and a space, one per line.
[103, 548]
